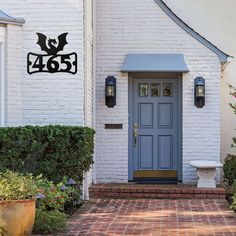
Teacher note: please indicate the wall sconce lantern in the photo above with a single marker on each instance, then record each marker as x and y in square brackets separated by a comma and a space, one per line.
[199, 92]
[110, 91]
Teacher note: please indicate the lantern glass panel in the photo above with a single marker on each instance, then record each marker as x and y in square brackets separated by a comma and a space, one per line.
[110, 90]
[200, 91]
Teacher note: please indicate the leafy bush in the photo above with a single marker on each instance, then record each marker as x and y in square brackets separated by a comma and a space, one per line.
[233, 195]
[49, 221]
[16, 186]
[55, 197]
[230, 163]
[53, 150]
[230, 169]
[233, 94]
[233, 204]
[51, 216]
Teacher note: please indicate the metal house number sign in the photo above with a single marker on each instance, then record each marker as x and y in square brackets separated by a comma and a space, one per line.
[52, 61]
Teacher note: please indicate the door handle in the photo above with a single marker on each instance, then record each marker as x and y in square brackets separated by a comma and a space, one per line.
[135, 133]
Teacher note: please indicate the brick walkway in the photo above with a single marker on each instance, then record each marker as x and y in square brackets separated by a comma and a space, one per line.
[157, 217]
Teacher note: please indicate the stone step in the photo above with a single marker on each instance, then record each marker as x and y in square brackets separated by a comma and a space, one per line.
[154, 191]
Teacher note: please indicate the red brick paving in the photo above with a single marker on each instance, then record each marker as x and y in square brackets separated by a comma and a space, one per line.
[156, 217]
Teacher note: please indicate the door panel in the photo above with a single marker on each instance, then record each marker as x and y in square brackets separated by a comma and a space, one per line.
[146, 152]
[164, 114]
[165, 152]
[145, 115]
[155, 110]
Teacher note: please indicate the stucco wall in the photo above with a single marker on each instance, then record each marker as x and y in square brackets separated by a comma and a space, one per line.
[215, 19]
[48, 98]
[142, 27]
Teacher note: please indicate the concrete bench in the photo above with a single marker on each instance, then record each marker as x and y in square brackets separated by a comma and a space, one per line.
[206, 171]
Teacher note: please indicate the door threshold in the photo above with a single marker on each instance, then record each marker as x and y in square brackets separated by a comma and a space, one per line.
[156, 180]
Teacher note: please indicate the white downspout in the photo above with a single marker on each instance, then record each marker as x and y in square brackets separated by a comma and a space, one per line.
[85, 181]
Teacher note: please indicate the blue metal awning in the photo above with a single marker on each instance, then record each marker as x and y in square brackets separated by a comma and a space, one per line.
[154, 63]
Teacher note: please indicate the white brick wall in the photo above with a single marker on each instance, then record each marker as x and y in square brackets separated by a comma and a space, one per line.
[2, 73]
[48, 98]
[138, 26]
[13, 79]
[88, 68]
[88, 42]
[122, 27]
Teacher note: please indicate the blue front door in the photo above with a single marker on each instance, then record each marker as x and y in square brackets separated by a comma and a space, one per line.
[155, 129]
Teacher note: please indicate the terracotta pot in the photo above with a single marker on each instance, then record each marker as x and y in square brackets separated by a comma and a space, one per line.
[17, 217]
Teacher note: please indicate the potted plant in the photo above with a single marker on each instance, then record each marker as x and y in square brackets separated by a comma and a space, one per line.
[17, 203]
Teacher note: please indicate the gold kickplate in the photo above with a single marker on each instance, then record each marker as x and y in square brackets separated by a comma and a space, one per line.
[155, 174]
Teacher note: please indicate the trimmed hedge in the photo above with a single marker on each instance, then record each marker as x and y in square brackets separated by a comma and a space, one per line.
[54, 151]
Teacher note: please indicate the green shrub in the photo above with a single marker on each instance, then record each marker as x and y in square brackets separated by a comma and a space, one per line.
[230, 169]
[53, 150]
[233, 195]
[55, 198]
[233, 205]
[16, 186]
[230, 163]
[49, 221]
[51, 216]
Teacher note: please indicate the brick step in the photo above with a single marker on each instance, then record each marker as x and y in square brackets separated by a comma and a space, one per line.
[154, 191]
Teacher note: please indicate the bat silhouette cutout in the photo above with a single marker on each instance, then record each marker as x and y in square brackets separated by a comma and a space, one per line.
[52, 47]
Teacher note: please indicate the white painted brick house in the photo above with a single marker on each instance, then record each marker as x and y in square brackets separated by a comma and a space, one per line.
[155, 58]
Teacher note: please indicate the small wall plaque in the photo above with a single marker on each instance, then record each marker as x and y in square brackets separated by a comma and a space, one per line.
[113, 126]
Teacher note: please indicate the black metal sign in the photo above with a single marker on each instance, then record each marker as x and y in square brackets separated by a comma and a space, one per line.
[52, 61]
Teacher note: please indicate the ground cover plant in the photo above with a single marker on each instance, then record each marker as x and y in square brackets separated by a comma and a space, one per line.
[56, 157]
[54, 201]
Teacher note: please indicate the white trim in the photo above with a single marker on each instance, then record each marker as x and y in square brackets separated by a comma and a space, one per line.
[85, 63]
[2, 83]
[229, 60]
[6, 22]
[85, 181]
[85, 26]
[94, 87]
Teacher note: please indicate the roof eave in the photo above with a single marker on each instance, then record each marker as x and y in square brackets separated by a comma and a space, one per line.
[17, 21]
[7, 19]
[224, 58]
[225, 64]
